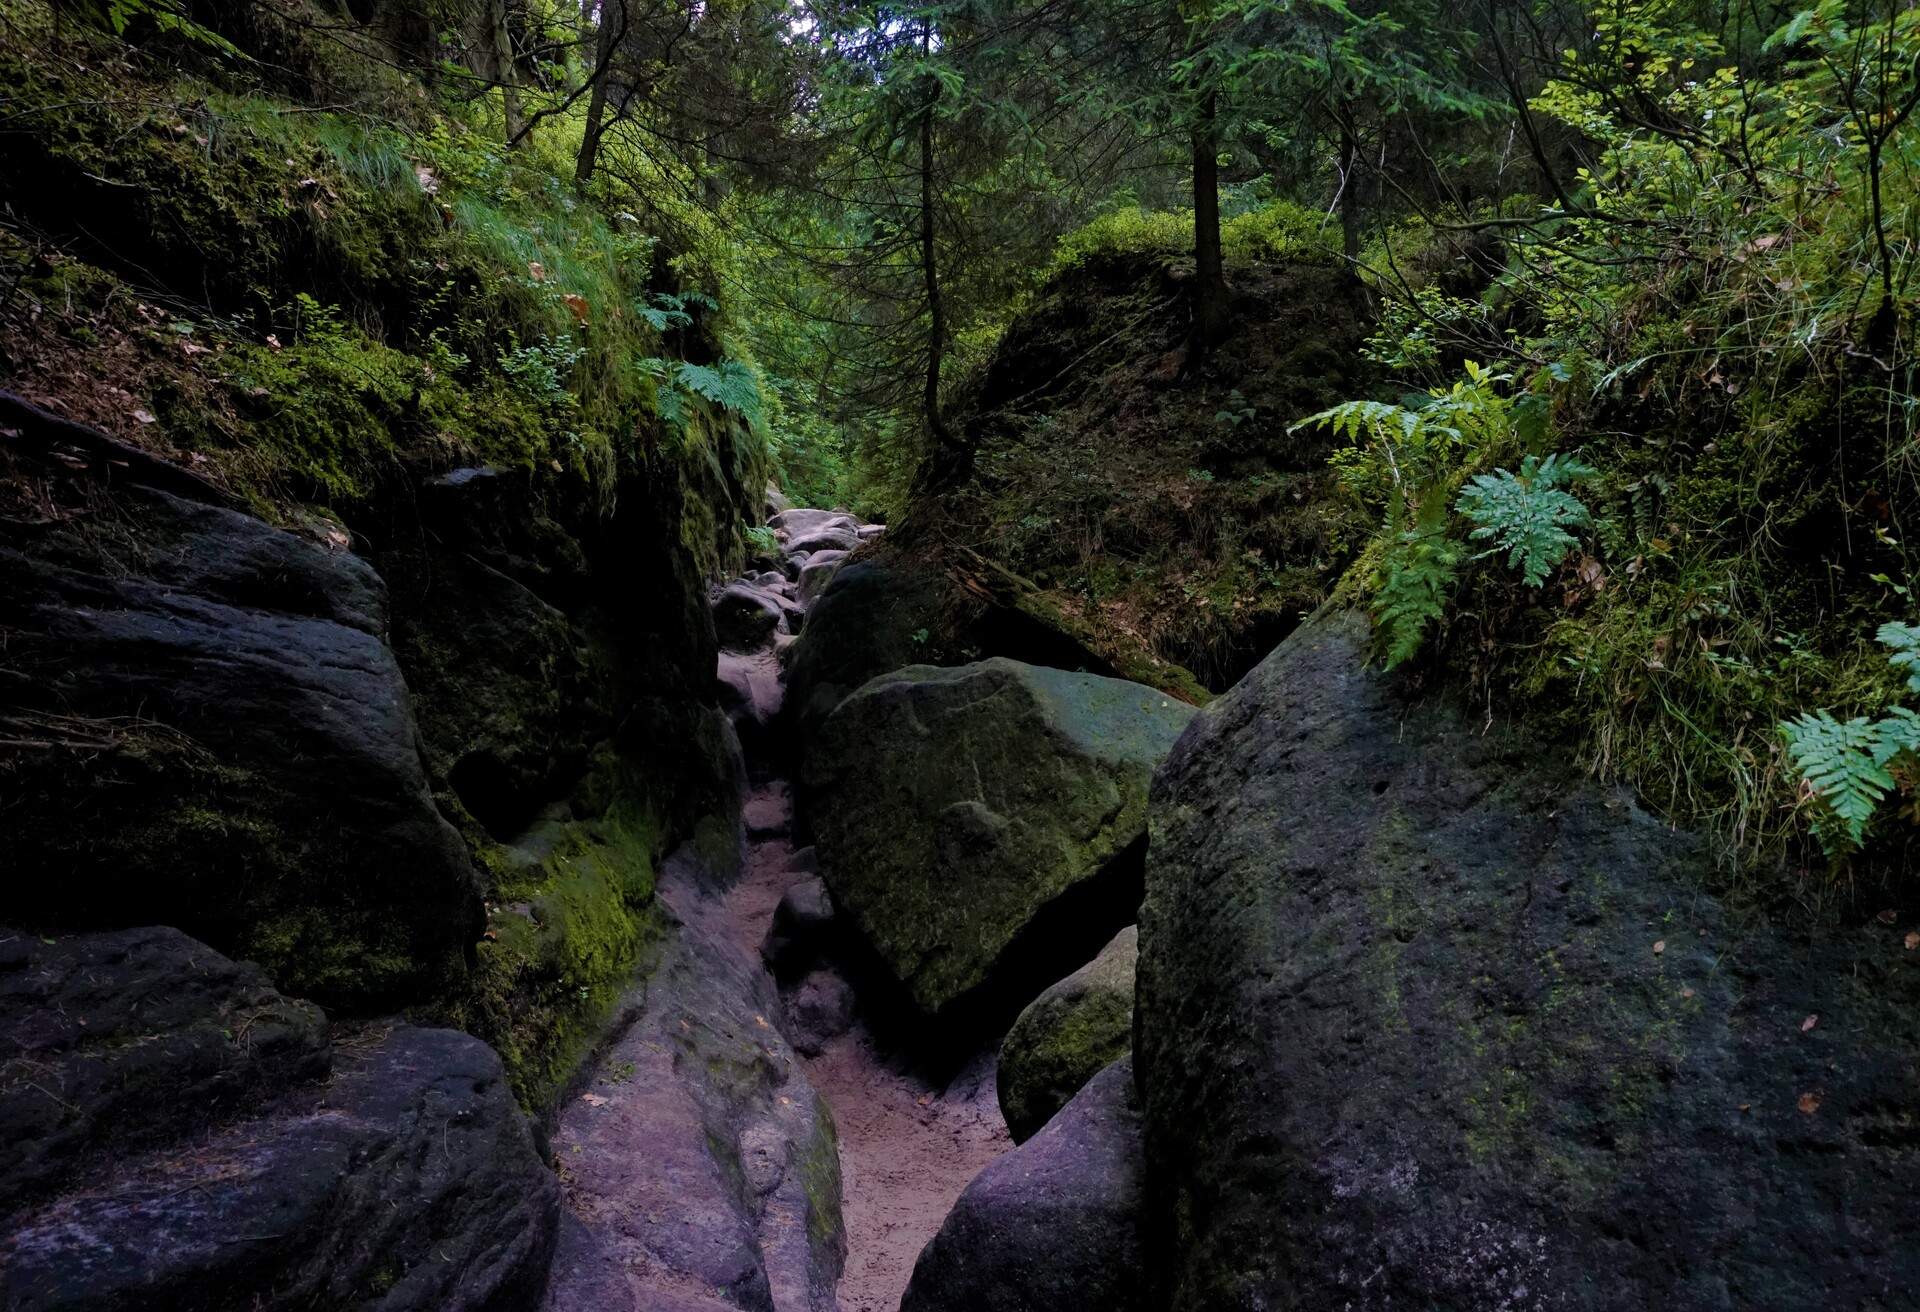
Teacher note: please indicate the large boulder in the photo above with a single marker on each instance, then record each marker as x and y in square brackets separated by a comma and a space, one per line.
[208, 729]
[409, 1181]
[981, 824]
[118, 1040]
[1068, 1035]
[1428, 1019]
[1054, 1225]
[745, 616]
[862, 623]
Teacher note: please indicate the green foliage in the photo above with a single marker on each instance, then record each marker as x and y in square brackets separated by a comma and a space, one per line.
[1410, 593]
[1407, 458]
[1527, 514]
[1904, 641]
[1849, 766]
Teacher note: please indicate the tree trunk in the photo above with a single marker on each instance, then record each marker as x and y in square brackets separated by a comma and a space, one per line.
[503, 69]
[1209, 268]
[612, 25]
[1350, 202]
[950, 460]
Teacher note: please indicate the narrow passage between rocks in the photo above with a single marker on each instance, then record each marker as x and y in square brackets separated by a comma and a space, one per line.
[909, 1141]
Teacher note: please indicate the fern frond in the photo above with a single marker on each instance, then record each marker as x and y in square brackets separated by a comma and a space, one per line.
[1527, 514]
[1844, 765]
[1411, 593]
[1904, 642]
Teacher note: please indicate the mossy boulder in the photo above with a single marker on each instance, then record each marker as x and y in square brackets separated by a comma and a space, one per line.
[211, 731]
[981, 825]
[1427, 1018]
[1068, 1035]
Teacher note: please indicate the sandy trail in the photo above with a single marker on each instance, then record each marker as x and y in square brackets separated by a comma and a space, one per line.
[908, 1145]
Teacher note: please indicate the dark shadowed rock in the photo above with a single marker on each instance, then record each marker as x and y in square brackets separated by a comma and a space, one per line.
[112, 1041]
[230, 748]
[744, 617]
[819, 1010]
[1426, 1019]
[971, 821]
[817, 573]
[1068, 1035]
[1054, 1225]
[410, 1181]
[802, 928]
[860, 626]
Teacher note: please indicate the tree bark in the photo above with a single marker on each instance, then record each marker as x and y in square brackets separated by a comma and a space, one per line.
[503, 69]
[612, 25]
[1209, 267]
[950, 458]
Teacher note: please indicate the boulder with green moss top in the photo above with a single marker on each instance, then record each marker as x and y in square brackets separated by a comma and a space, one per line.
[1067, 1035]
[981, 826]
[210, 730]
[1429, 1019]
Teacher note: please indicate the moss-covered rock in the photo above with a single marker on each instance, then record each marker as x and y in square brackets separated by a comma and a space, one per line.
[1067, 1035]
[974, 822]
[1428, 1018]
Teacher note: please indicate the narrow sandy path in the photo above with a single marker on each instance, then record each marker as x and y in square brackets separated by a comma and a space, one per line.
[907, 1145]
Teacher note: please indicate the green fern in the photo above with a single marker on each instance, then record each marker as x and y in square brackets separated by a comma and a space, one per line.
[1844, 764]
[729, 385]
[1527, 515]
[1904, 640]
[1411, 592]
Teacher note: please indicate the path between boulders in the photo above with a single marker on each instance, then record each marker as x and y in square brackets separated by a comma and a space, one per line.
[909, 1143]
[908, 1146]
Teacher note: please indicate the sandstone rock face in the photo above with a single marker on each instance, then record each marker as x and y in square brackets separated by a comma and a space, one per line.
[861, 625]
[1054, 1225]
[233, 751]
[1428, 1020]
[172, 1142]
[1068, 1035]
[702, 1169]
[971, 822]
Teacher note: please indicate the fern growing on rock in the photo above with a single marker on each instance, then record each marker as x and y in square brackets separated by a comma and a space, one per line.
[1411, 456]
[1527, 514]
[1848, 767]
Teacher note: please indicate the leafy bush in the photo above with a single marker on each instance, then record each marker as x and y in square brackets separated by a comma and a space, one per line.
[1408, 458]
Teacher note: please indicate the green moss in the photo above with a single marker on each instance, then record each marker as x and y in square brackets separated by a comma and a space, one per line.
[566, 935]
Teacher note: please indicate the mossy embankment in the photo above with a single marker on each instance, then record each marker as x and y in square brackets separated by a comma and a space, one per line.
[306, 277]
[1138, 501]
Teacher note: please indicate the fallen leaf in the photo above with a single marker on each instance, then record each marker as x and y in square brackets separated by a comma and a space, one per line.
[1686, 993]
[578, 304]
[1659, 947]
[1746, 1106]
[273, 341]
[1913, 939]
[593, 1100]
[536, 270]
[761, 1021]
[1809, 1103]
[144, 416]
[1888, 916]
[1809, 1023]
